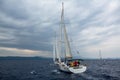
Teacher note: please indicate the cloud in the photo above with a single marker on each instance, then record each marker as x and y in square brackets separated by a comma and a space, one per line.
[23, 52]
[109, 47]
[31, 25]
[96, 38]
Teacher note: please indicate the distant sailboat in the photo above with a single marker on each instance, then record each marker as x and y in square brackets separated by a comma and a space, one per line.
[101, 58]
[100, 55]
[62, 45]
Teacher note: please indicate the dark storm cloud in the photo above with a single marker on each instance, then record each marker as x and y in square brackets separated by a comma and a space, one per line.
[13, 8]
[20, 29]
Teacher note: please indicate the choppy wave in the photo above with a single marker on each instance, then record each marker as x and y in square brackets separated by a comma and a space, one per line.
[45, 70]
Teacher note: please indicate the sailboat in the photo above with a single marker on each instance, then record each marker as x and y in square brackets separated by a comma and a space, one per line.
[62, 46]
[100, 55]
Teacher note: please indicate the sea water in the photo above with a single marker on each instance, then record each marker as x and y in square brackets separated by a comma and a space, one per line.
[44, 69]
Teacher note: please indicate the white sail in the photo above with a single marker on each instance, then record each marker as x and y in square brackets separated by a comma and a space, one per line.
[67, 44]
[56, 52]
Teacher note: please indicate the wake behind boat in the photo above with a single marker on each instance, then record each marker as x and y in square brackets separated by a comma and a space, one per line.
[62, 46]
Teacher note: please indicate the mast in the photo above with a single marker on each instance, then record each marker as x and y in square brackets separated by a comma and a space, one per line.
[67, 44]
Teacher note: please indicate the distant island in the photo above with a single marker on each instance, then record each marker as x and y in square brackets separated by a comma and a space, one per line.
[22, 58]
[41, 58]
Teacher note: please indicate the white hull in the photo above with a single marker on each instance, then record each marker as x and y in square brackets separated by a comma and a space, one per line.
[80, 69]
[76, 70]
[64, 67]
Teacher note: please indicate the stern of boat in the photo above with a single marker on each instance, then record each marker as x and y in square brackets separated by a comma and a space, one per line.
[78, 69]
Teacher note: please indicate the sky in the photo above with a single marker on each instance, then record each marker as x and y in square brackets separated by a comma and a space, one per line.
[28, 27]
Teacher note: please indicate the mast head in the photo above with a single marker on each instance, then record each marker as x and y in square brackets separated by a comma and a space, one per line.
[62, 4]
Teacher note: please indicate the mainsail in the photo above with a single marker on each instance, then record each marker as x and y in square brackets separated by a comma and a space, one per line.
[68, 54]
